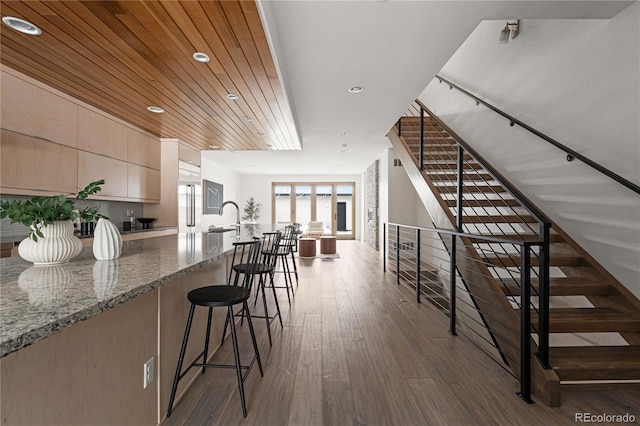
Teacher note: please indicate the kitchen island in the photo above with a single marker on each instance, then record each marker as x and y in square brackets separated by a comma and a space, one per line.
[74, 338]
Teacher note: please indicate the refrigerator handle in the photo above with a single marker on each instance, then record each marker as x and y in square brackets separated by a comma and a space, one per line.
[189, 205]
[193, 205]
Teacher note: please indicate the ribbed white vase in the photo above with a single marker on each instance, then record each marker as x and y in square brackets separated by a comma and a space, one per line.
[107, 242]
[58, 245]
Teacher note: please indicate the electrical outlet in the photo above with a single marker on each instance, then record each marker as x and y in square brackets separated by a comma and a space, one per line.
[148, 373]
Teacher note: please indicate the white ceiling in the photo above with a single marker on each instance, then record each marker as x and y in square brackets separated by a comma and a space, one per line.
[391, 48]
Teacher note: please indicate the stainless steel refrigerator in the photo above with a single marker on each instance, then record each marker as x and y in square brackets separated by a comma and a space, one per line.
[189, 198]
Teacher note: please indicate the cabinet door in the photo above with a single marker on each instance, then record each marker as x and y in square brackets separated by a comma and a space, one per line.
[31, 110]
[102, 135]
[34, 164]
[92, 167]
[144, 183]
[143, 150]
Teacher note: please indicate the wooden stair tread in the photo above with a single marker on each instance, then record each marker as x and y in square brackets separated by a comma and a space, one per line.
[452, 176]
[490, 219]
[506, 260]
[484, 203]
[596, 362]
[450, 165]
[564, 286]
[553, 237]
[584, 320]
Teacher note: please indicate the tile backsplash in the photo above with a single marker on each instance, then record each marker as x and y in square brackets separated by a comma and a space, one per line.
[116, 211]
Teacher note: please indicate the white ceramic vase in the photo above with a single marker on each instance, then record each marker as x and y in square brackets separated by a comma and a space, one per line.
[58, 245]
[107, 242]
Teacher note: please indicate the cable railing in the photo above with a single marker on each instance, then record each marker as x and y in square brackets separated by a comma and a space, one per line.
[571, 154]
[440, 265]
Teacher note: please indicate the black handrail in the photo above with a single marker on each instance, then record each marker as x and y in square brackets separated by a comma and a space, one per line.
[512, 120]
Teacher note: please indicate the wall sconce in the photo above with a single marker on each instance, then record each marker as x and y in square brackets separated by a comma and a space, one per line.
[510, 29]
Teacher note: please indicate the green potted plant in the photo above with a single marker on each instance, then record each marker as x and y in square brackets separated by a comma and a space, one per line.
[251, 210]
[50, 223]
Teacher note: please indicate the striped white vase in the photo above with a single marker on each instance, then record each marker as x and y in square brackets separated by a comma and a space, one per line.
[58, 245]
[107, 242]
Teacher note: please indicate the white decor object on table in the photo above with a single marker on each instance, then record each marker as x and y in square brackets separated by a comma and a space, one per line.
[58, 244]
[107, 241]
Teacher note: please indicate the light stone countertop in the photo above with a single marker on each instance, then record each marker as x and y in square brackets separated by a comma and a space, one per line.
[38, 301]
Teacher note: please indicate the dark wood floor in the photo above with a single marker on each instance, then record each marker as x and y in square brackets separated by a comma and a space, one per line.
[357, 350]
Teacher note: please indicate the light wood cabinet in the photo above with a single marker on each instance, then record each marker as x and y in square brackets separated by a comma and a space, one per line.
[144, 183]
[143, 150]
[92, 167]
[52, 143]
[31, 110]
[34, 165]
[101, 135]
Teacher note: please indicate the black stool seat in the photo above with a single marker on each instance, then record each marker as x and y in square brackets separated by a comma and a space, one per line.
[257, 269]
[218, 295]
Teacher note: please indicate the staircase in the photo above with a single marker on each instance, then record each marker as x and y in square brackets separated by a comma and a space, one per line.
[594, 321]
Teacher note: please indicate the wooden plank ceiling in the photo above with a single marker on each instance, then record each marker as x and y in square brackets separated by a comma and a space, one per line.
[122, 56]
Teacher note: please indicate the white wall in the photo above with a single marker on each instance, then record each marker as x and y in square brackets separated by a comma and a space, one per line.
[577, 81]
[404, 205]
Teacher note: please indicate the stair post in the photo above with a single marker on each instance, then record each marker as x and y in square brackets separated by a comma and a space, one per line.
[452, 288]
[418, 265]
[543, 293]
[398, 254]
[525, 324]
[421, 159]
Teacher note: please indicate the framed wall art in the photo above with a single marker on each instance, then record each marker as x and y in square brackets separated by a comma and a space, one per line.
[213, 196]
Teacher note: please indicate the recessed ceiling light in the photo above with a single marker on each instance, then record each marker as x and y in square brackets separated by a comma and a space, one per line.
[356, 89]
[343, 134]
[155, 109]
[201, 57]
[21, 25]
[232, 96]
[214, 146]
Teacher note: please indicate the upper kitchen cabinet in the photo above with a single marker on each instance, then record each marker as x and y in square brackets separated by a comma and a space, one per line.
[101, 135]
[144, 183]
[31, 110]
[54, 143]
[143, 150]
[92, 167]
[33, 166]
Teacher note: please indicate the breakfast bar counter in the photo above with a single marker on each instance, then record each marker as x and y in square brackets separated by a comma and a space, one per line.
[76, 336]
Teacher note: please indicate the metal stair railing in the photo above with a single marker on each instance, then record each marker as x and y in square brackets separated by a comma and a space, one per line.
[440, 273]
[469, 170]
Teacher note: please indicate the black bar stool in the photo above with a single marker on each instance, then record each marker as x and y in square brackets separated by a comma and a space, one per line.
[260, 264]
[287, 248]
[221, 296]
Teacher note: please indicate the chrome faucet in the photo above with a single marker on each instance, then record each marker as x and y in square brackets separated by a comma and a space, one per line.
[237, 214]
